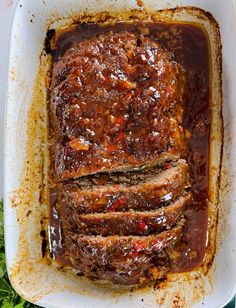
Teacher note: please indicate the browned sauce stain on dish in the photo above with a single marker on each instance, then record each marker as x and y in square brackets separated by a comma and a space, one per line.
[190, 46]
[29, 271]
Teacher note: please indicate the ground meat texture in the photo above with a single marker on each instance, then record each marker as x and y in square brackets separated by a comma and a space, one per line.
[116, 103]
[130, 223]
[128, 203]
[118, 193]
[124, 260]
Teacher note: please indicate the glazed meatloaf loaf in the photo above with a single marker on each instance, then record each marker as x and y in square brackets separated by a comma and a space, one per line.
[145, 190]
[119, 183]
[116, 104]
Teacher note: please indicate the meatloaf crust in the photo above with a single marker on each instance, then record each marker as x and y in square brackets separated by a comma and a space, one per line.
[116, 103]
[119, 183]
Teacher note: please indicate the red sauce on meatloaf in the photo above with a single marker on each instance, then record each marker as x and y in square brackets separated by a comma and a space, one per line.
[110, 111]
[104, 95]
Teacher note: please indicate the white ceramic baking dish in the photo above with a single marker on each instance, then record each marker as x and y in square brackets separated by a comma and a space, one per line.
[24, 163]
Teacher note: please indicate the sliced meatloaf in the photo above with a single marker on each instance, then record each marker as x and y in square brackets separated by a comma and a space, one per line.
[131, 223]
[118, 180]
[116, 103]
[142, 191]
[122, 259]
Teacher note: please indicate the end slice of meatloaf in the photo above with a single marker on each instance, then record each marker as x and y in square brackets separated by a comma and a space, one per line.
[122, 259]
[144, 191]
[116, 103]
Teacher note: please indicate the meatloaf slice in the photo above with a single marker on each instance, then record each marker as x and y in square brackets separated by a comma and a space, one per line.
[132, 223]
[116, 103]
[151, 190]
[122, 259]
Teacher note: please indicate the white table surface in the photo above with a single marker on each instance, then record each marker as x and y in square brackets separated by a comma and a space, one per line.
[6, 12]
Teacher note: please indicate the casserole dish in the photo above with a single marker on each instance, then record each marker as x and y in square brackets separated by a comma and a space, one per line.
[25, 161]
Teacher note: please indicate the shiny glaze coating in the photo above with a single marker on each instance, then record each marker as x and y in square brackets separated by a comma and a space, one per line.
[189, 45]
[116, 104]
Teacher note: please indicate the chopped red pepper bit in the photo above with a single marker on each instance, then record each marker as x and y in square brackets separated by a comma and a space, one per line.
[134, 254]
[119, 121]
[128, 96]
[166, 165]
[120, 136]
[140, 246]
[114, 206]
[112, 147]
[143, 226]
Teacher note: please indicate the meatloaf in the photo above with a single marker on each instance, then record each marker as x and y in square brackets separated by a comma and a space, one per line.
[143, 190]
[130, 245]
[131, 223]
[116, 103]
[123, 259]
[119, 182]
